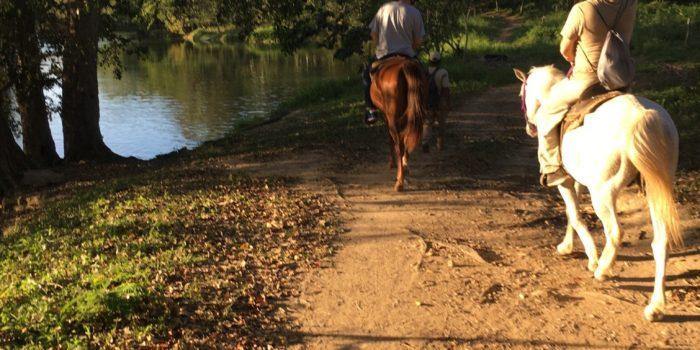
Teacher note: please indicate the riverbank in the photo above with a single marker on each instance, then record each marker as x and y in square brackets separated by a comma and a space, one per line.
[237, 242]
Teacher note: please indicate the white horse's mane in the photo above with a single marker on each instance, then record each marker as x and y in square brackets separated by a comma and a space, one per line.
[550, 71]
[541, 79]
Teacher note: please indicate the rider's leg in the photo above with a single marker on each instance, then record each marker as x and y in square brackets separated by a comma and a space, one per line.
[549, 116]
[371, 114]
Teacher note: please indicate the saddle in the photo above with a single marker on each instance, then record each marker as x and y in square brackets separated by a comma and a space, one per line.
[379, 64]
[590, 100]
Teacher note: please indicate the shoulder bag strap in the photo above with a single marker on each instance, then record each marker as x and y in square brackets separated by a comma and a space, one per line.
[583, 14]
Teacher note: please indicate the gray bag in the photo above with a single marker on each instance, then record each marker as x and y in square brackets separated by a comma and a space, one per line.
[616, 67]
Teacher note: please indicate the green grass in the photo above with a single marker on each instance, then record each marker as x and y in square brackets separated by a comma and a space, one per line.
[667, 62]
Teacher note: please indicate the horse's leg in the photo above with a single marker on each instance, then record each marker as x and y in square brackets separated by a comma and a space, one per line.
[427, 134]
[392, 152]
[399, 149]
[441, 128]
[655, 310]
[566, 247]
[604, 204]
[405, 163]
[571, 200]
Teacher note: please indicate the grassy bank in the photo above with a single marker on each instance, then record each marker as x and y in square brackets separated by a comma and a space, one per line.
[230, 34]
[181, 253]
[666, 48]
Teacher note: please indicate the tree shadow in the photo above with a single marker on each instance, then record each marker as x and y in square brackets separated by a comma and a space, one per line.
[649, 289]
[359, 339]
[632, 258]
[681, 319]
[690, 274]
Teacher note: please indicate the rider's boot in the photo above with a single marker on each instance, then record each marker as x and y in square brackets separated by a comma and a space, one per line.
[371, 116]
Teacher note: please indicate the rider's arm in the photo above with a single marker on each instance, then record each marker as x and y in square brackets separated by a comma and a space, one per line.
[568, 49]
[571, 33]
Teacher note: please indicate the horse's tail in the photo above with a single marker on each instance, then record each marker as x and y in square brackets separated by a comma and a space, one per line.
[416, 109]
[653, 149]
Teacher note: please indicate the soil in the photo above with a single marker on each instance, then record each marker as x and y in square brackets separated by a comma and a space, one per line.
[466, 257]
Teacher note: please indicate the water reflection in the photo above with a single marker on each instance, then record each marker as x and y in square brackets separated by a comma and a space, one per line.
[181, 95]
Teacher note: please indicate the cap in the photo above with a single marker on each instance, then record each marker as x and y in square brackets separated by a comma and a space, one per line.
[435, 56]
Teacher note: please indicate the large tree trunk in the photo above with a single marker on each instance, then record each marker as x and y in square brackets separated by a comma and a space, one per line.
[29, 89]
[81, 104]
[13, 162]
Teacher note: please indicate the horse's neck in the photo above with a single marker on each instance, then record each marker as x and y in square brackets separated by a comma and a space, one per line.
[547, 89]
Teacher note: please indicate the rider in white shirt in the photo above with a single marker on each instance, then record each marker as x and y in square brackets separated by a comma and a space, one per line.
[397, 29]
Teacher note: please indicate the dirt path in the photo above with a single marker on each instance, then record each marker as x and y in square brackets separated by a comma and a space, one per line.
[466, 257]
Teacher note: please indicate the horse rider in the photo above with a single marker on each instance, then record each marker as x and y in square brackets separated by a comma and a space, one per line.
[582, 41]
[397, 30]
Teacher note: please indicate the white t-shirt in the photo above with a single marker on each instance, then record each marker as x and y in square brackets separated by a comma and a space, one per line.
[397, 25]
[442, 78]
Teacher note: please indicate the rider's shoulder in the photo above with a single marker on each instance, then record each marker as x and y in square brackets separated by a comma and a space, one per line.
[579, 4]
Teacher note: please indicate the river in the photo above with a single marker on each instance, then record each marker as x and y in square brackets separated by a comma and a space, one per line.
[180, 95]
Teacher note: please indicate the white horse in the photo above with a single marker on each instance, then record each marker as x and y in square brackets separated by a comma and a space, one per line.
[624, 137]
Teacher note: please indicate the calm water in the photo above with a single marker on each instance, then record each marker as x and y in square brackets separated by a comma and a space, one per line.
[181, 95]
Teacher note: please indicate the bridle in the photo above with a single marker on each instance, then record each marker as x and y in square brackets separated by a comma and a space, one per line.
[523, 99]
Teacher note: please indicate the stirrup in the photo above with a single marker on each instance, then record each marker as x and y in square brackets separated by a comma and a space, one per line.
[371, 117]
[546, 182]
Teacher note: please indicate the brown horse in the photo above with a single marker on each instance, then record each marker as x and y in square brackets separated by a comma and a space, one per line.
[400, 90]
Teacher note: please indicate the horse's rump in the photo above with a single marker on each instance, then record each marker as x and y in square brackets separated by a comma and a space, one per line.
[399, 89]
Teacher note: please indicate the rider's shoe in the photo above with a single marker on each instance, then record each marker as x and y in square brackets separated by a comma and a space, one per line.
[554, 179]
[371, 116]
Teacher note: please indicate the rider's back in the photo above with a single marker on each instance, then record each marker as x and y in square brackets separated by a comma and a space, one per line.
[585, 24]
[397, 24]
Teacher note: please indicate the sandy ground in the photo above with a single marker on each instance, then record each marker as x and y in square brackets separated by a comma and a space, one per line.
[466, 258]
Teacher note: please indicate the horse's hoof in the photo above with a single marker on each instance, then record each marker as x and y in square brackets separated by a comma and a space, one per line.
[565, 248]
[653, 313]
[601, 275]
[398, 187]
[592, 265]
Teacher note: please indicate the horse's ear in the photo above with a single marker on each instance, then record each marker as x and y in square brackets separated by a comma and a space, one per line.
[520, 75]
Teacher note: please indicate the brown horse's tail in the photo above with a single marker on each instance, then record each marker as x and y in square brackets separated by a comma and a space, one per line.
[416, 109]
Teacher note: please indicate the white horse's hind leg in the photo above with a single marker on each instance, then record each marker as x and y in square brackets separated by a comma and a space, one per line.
[655, 310]
[604, 205]
[570, 196]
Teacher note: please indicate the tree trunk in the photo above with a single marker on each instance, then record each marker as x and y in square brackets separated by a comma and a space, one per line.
[13, 162]
[29, 89]
[81, 104]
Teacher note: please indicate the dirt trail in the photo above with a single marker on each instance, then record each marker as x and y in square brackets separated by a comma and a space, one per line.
[466, 257]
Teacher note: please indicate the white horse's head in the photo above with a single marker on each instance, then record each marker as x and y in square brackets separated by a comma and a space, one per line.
[535, 89]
